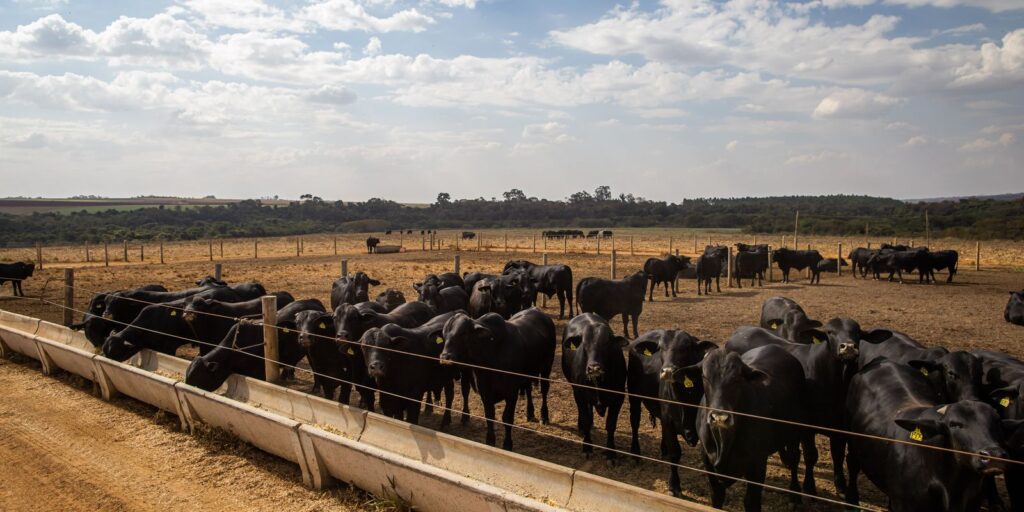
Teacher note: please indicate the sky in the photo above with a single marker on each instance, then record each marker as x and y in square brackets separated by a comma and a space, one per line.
[403, 99]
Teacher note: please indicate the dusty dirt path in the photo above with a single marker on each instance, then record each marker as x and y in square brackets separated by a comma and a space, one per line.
[63, 449]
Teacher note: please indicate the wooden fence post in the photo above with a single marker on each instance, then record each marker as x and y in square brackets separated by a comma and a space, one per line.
[613, 263]
[977, 256]
[106, 254]
[222, 249]
[39, 255]
[161, 252]
[535, 244]
[297, 248]
[670, 240]
[458, 265]
[565, 245]
[796, 231]
[344, 267]
[256, 248]
[839, 260]
[271, 353]
[142, 253]
[335, 245]
[87, 258]
[478, 241]
[506, 242]
[126, 251]
[769, 263]
[544, 297]
[728, 268]
[218, 271]
[598, 246]
[631, 253]
[210, 246]
[423, 242]
[69, 296]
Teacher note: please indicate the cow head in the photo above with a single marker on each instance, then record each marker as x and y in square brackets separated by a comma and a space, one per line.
[727, 384]
[958, 374]
[351, 322]
[313, 327]
[968, 426]
[391, 299]
[676, 356]
[845, 336]
[205, 374]
[1009, 400]
[197, 305]
[116, 347]
[595, 348]
[467, 340]
[796, 327]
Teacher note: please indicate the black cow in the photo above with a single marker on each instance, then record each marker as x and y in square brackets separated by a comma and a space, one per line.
[761, 382]
[390, 299]
[371, 244]
[468, 235]
[893, 401]
[408, 232]
[351, 322]
[665, 270]
[470, 279]
[606, 233]
[1014, 312]
[859, 260]
[524, 344]
[654, 374]
[751, 261]
[122, 307]
[242, 350]
[610, 297]
[940, 260]
[388, 355]
[387, 232]
[444, 280]
[954, 376]
[94, 325]
[788, 259]
[708, 267]
[592, 356]
[785, 318]
[16, 273]
[1004, 383]
[210, 281]
[897, 262]
[443, 300]
[830, 265]
[327, 355]
[549, 280]
[161, 327]
[351, 289]
[721, 252]
[211, 319]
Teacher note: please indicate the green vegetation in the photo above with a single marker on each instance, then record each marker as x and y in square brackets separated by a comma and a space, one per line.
[824, 215]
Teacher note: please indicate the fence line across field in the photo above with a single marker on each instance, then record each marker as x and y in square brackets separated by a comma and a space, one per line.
[497, 421]
[133, 252]
[625, 394]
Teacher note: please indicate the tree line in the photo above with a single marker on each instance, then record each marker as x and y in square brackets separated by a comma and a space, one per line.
[819, 215]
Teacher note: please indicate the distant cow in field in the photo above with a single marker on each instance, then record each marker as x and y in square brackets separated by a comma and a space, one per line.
[468, 235]
[899, 262]
[665, 270]
[708, 267]
[940, 260]
[548, 279]
[788, 259]
[1014, 312]
[610, 297]
[831, 265]
[388, 232]
[751, 261]
[859, 260]
[16, 273]
[371, 244]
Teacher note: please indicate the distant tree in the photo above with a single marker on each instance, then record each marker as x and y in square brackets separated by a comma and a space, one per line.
[581, 197]
[514, 195]
[444, 199]
[603, 193]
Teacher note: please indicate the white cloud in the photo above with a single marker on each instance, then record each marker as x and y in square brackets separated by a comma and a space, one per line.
[732, 145]
[917, 140]
[243, 15]
[999, 65]
[373, 47]
[351, 15]
[1004, 140]
[965, 29]
[855, 103]
[813, 158]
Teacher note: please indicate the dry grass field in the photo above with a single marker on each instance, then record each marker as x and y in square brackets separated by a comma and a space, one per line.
[965, 314]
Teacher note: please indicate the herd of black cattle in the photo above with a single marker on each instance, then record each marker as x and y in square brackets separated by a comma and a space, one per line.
[484, 331]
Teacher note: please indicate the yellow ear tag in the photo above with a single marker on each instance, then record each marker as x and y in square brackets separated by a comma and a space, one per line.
[815, 340]
[322, 325]
[773, 325]
[687, 383]
[1005, 401]
[439, 340]
[573, 346]
[350, 352]
[924, 371]
[647, 352]
[916, 434]
[99, 306]
[284, 330]
[174, 312]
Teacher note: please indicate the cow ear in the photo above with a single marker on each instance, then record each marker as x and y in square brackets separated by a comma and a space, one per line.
[482, 333]
[814, 324]
[1004, 397]
[417, 286]
[622, 341]
[753, 375]
[213, 366]
[375, 282]
[919, 429]
[814, 336]
[646, 348]
[436, 338]
[705, 347]
[925, 367]
[876, 335]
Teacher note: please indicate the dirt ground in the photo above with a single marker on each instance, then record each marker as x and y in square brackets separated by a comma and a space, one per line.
[966, 314]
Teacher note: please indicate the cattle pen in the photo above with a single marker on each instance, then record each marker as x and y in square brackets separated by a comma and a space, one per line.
[309, 273]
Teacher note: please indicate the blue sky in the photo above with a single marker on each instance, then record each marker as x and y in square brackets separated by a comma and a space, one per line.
[403, 99]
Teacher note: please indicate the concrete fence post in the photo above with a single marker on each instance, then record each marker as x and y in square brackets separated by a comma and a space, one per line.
[544, 297]
[218, 271]
[69, 296]
[271, 353]
[613, 263]
[344, 267]
[458, 265]
[106, 254]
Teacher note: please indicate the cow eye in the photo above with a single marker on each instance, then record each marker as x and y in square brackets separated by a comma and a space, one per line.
[956, 424]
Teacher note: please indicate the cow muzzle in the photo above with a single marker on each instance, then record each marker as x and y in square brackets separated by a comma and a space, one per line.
[668, 372]
[446, 358]
[594, 371]
[848, 351]
[189, 316]
[720, 419]
[987, 465]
